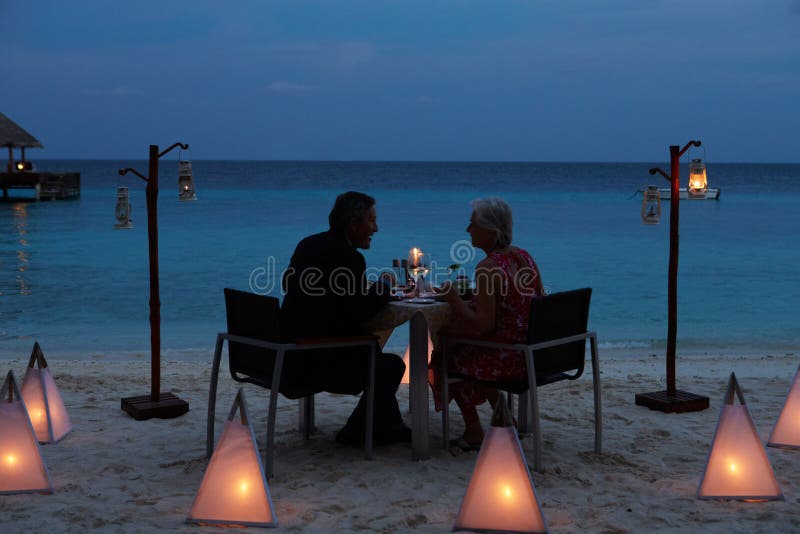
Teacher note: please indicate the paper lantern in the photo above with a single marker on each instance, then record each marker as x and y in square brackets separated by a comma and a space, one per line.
[501, 496]
[737, 467]
[46, 409]
[234, 490]
[786, 434]
[407, 360]
[22, 469]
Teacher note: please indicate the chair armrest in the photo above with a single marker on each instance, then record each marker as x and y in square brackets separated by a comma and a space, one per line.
[516, 346]
[561, 341]
[332, 342]
[343, 339]
[304, 344]
[255, 342]
[481, 343]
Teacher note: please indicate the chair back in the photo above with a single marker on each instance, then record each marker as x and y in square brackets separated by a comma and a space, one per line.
[557, 316]
[254, 316]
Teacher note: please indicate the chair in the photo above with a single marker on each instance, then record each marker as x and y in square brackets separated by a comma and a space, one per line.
[555, 351]
[256, 355]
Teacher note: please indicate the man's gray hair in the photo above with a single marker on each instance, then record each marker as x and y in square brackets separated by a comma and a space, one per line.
[349, 206]
[494, 214]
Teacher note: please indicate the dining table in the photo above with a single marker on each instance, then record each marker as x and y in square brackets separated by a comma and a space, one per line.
[424, 316]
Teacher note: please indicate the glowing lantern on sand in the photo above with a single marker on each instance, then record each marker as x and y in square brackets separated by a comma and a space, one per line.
[46, 409]
[21, 467]
[407, 360]
[501, 496]
[786, 434]
[234, 491]
[738, 467]
[698, 183]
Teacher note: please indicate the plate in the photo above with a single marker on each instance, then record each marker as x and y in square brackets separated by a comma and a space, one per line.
[417, 300]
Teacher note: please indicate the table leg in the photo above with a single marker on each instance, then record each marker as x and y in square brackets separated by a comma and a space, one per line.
[418, 388]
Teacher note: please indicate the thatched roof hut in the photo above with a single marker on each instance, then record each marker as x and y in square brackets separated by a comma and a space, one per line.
[13, 136]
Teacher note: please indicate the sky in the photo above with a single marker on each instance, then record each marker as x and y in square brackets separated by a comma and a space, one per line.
[441, 80]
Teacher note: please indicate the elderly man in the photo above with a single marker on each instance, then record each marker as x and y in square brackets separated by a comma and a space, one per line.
[327, 295]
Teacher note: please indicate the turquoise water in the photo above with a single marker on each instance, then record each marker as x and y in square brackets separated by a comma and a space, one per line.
[71, 281]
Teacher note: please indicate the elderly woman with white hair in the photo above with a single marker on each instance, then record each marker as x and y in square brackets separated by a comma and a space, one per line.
[506, 281]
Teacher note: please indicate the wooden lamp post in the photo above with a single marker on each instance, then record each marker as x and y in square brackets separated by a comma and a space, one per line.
[673, 400]
[157, 404]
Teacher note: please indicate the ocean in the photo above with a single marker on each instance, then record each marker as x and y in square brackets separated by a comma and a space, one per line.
[73, 282]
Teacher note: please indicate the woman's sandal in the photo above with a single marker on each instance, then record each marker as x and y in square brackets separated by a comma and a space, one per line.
[464, 445]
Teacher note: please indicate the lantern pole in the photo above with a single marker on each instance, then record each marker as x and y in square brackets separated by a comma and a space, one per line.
[673, 400]
[162, 405]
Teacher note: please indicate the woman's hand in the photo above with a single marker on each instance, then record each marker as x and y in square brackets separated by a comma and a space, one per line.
[448, 291]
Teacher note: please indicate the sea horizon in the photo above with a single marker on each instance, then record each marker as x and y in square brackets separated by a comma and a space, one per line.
[581, 222]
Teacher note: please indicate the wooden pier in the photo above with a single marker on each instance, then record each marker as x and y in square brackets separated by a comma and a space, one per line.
[21, 174]
[46, 185]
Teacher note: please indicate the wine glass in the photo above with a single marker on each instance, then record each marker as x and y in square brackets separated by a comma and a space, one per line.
[419, 265]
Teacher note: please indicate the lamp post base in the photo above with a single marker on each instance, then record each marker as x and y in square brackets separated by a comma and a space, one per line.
[679, 403]
[143, 407]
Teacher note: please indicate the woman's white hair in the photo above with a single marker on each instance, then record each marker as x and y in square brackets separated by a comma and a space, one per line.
[493, 213]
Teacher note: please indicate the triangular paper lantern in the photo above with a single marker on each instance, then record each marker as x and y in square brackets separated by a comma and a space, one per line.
[46, 409]
[737, 467]
[407, 359]
[22, 469]
[786, 434]
[501, 496]
[234, 490]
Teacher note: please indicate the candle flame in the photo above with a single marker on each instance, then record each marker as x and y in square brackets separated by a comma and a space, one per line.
[243, 488]
[732, 467]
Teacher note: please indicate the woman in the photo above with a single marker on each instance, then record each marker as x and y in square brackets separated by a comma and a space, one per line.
[506, 281]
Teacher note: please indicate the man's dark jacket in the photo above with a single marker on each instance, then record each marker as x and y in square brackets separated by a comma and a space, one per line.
[326, 289]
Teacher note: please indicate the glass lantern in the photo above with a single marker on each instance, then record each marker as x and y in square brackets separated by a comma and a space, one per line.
[698, 183]
[651, 205]
[185, 181]
[123, 210]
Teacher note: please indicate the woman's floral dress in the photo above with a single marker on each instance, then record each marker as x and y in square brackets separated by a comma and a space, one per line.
[520, 282]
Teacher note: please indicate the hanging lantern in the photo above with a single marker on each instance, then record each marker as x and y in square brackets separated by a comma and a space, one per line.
[737, 467]
[123, 210]
[22, 469]
[651, 205]
[46, 410]
[698, 184]
[234, 491]
[501, 496]
[786, 434]
[185, 181]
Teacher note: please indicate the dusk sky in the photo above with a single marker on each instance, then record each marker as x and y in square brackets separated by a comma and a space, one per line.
[498, 80]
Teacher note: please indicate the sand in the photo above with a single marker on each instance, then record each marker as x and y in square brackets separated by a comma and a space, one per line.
[115, 474]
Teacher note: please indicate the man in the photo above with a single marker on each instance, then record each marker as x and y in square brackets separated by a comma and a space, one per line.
[327, 295]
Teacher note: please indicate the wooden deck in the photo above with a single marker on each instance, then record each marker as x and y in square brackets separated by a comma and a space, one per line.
[47, 185]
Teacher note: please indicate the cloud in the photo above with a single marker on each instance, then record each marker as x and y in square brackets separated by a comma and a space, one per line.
[121, 91]
[290, 88]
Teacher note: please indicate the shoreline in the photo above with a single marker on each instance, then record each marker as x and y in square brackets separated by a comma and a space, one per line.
[114, 473]
[195, 354]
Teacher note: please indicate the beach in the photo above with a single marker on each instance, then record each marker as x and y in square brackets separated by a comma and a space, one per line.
[115, 474]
